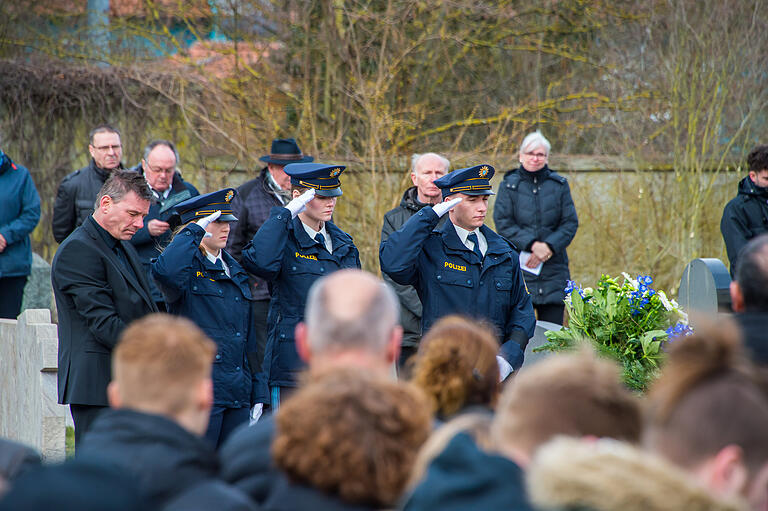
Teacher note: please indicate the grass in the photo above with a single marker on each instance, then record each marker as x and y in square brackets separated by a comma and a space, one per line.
[69, 442]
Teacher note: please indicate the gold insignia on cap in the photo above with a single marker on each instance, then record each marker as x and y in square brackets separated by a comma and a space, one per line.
[483, 171]
[335, 172]
[229, 196]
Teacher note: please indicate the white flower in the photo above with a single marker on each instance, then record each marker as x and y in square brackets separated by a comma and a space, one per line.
[629, 279]
[667, 304]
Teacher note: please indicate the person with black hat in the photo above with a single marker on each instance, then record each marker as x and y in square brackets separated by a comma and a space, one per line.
[297, 245]
[463, 267]
[202, 282]
[251, 205]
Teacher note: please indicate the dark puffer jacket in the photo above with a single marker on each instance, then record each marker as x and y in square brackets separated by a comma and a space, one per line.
[410, 305]
[744, 217]
[75, 198]
[537, 206]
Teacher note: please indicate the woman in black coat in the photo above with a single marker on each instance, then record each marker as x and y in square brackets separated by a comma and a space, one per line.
[535, 211]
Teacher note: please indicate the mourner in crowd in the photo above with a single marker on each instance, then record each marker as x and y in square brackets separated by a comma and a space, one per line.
[749, 298]
[463, 267]
[576, 395]
[456, 367]
[351, 321]
[346, 441]
[297, 245]
[19, 214]
[744, 217]
[252, 205]
[202, 282]
[535, 211]
[708, 413]
[100, 287]
[158, 166]
[425, 168]
[78, 190]
[161, 395]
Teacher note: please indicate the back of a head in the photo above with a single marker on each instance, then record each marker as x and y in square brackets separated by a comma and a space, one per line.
[708, 397]
[752, 274]
[574, 394]
[158, 361]
[352, 434]
[351, 310]
[456, 365]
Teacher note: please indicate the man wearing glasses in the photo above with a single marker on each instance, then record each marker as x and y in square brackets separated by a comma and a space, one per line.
[168, 188]
[78, 190]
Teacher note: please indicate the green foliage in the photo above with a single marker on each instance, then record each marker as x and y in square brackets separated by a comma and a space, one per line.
[629, 323]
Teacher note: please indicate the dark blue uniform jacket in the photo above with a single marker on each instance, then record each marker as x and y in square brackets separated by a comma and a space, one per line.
[197, 289]
[451, 279]
[284, 255]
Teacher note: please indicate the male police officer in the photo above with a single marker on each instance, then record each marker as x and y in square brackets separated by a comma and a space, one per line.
[463, 267]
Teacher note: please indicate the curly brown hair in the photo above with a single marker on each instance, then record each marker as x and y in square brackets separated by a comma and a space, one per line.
[456, 365]
[352, 434]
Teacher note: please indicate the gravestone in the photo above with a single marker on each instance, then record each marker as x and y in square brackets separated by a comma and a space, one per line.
[38, 293]
[539, 339]
[705, 288]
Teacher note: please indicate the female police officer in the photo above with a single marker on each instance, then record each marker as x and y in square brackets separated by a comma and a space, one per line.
[205, 284]
[297, 245]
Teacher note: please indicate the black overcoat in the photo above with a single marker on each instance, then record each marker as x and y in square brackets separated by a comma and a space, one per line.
[96, 297]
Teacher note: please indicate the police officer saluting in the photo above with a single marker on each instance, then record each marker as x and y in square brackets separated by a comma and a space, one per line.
[297, 245]
[202, 282]
[463, 267]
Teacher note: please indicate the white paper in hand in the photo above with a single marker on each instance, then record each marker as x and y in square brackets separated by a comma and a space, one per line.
[524, 259]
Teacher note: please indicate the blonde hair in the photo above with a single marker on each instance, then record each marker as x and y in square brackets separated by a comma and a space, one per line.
[159, 359]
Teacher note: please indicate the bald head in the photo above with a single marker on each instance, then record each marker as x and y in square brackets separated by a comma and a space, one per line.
[351, 310]
[425, 168]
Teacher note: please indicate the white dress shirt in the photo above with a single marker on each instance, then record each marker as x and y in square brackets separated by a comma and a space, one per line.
[312, 233]
[463, 233]
[212, 258]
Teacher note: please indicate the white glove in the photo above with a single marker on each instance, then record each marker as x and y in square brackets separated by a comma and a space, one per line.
[443, 207]
[206, 221]
[298, 204]
[255, 413]
[505, 368]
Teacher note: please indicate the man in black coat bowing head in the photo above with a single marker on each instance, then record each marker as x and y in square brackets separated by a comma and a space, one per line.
[100, 287]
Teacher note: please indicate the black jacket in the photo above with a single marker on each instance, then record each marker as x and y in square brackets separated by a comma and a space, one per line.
[149, 247]
[288, 496]
[246, 461]
[744, 217]
[252, 204]
[537, 206]
[96, 297]
[75, 199]
[410, 305]
[175, 469]
[464, 477]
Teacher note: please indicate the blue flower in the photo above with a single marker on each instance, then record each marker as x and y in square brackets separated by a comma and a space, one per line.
[677, 331]
[569, 286]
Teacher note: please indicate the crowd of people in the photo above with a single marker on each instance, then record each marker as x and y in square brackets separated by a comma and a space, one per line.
[225, 350]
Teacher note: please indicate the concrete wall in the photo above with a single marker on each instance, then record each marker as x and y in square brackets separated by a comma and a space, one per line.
[29, 412]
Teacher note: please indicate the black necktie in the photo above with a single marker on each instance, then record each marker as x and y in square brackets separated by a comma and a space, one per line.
[473, 238]
[123, 257]
[320, 239]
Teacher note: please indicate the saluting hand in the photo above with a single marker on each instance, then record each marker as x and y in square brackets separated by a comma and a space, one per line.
[206, 221]
[444, 207]
[298, 204]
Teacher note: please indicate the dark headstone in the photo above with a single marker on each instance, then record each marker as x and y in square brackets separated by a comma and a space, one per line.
[705, 287]
[38, 293]
[538, 339]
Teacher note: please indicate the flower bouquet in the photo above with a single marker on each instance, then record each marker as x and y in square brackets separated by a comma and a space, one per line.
[630, 323]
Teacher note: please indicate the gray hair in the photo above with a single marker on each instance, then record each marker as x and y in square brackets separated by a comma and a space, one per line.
[167, 143]
[102, 128]
[416, 157]
[121, 182]
[535, 139]
[369, 330]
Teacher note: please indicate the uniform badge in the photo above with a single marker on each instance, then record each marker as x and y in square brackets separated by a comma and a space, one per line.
[335, 172]
[483, 171]
[229, 196]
